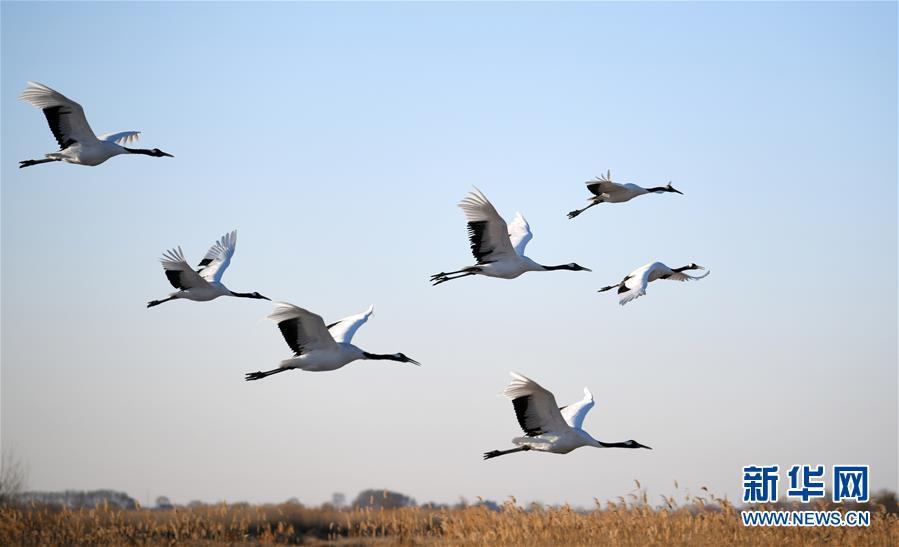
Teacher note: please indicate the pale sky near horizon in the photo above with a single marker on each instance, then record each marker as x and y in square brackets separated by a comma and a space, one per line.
[338, 138]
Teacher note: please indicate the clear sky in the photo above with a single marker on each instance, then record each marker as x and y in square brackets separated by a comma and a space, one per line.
[338, 138]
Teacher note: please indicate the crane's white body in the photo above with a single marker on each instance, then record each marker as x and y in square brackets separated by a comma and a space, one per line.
[77, 142]
[90, 153]
[510, 269]
[634, 285]
[497, 247]
[324, 360]
[204, 293]
[618, 193]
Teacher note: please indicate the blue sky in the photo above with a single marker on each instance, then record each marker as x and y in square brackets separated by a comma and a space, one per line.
[337, 139]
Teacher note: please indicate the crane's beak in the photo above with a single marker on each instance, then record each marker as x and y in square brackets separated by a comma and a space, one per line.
[414, 362]
[166, 154]
[644, 446]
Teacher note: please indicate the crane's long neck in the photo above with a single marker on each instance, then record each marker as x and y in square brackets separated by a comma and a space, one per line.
[559, 267]
[611, 445]
[398, 357]
[144, 151]
[243, 294]
[624, 444]
[380, 357]
[601, 444]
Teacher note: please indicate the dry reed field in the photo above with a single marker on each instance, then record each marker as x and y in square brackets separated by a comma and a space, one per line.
[699, 521]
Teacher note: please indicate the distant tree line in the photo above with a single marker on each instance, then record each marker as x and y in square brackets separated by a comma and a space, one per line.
[375, 499]
[79, 499]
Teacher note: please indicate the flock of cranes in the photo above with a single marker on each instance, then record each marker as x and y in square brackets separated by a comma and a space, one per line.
[498, 250]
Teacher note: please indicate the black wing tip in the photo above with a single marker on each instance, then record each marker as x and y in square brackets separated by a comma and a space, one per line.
[521, 406]
[475, 236]
[289, 328]
[174, 277]
[53, 114]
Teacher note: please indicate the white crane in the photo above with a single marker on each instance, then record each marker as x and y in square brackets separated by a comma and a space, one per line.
[548, 427]
[206, 282]
[606, 191]
[634, 284]
[497, 248]
[77, 142]
[317, 347]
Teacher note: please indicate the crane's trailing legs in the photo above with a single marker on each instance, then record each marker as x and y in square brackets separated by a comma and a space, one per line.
[258, 375]
[495, 453]
[29, 163]
[444, 274]
[576, 212]
[152, 303]
[443, 277]
[438, 280]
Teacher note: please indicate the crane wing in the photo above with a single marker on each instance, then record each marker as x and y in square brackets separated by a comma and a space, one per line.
[218, 257]
[600, 188]
[487, 231]
[535, 407]
[302, 330]
[343, 330]
[64, 116]
[634, 285]
[681, 276]
[575, 413]
[121, 138]
[519, 233]
[602, 185]
[179, 272]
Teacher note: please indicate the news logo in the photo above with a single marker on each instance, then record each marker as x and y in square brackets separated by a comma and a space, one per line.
[805, 483]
